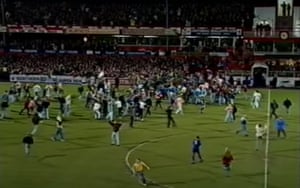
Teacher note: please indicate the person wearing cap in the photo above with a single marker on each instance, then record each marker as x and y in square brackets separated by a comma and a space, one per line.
[138, 169]
[59, 135]
[27, 141]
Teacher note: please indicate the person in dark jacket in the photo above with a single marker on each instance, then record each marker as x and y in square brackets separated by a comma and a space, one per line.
[287, 104]
[40, 109]
[148, 102]
[274, 106]
[115, 137]
[35, 121]
[45, 105]
[234, 111]
[62, 102]
[132, 112]
[169, 112]
[27, 141]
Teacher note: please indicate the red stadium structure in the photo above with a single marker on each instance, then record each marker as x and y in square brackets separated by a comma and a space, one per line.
[262, 32]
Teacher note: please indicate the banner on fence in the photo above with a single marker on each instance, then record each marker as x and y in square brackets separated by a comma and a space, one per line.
[45, 79]
[288, 82]
[285, 82]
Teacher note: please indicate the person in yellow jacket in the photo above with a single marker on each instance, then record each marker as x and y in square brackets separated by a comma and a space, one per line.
[138, 169]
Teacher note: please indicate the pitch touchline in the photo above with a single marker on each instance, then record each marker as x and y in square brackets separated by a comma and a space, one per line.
[266, 176]
[141, 145]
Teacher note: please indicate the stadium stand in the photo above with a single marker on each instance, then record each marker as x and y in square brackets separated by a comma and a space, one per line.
[130, 13]
[226, 13]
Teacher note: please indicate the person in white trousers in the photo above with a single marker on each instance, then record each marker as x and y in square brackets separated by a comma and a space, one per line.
[229, 115]
[115, 137]
[67, 109]
[96, 109]
[260, 132]
[179, 103]
[256, 99]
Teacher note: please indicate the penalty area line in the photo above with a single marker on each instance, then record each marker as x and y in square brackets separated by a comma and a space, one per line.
[128, 154]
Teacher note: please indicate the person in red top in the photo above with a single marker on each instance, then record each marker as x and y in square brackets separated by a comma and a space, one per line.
[226, 160]
[115, 137]
[26, 107]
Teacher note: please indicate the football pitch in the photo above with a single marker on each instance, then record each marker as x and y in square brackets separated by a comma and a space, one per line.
[87, 160]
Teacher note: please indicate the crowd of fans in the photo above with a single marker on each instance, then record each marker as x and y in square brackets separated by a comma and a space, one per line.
[125, 66]
[130, 13]
[121, 66]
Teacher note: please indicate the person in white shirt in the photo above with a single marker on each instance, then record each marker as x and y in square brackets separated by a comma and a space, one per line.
[107, 85]
[183, 90]
[118, 104]
[229, 114]
[260, 132]
[37, 90]
[67, 109]
[59, 135]
[60, 85]
[48, 89]
[256, 99]
[101, 74]
[179, 104]
[110, 109]
[96, 109]
[142, 106]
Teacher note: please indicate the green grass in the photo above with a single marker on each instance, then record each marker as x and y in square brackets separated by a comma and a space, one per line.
[87, 159]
